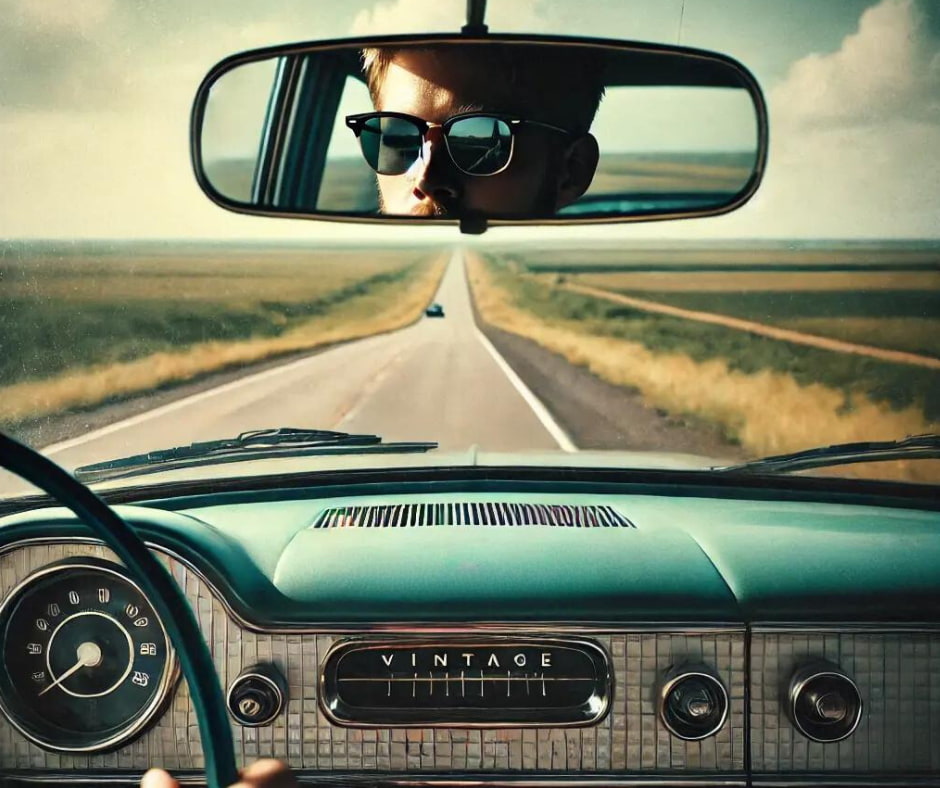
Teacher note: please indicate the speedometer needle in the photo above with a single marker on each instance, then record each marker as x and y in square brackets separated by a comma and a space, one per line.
[89, 655]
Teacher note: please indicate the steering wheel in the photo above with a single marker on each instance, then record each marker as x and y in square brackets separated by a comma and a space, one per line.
[162, 592]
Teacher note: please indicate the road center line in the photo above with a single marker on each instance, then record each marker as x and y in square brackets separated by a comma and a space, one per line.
[541, 412]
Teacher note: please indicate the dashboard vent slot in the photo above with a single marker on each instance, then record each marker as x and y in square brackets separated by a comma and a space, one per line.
[477, 513]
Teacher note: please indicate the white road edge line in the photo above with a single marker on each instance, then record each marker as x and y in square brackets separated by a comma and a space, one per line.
[541, 412]
[170, 407]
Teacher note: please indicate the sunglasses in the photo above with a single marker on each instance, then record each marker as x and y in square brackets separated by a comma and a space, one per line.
[477, 143]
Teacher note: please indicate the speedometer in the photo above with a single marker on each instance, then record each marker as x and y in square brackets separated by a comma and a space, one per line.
[86, 663]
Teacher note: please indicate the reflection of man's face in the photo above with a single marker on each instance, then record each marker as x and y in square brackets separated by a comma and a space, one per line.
[434, 87]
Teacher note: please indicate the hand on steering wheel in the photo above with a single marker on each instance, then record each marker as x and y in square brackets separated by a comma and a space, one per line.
[265, 773]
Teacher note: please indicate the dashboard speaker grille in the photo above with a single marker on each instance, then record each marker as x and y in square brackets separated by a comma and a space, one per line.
[477, 513]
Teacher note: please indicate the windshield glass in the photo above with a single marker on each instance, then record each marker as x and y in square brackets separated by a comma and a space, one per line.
[135, 315]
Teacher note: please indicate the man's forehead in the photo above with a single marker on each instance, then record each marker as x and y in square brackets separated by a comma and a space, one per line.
[434, 87]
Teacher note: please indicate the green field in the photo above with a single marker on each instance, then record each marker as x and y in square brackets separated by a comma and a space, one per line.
[904, 316]
[64, 307]
[896, 319]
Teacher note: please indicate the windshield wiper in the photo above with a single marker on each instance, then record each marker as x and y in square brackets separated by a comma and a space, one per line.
[278, 441]
[912, 447]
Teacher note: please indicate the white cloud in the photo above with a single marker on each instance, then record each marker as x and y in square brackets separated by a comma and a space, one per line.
[889, 68]
[855, 134]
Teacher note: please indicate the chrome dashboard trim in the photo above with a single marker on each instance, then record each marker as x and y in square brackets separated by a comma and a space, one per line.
[305, 776]
[513, 780]
[771, 767]
[327, 696]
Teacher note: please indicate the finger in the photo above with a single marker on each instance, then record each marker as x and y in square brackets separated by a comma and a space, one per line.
[266, 773]
[157, 778]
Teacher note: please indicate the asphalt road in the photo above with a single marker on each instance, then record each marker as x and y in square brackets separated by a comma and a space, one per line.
[438, 379]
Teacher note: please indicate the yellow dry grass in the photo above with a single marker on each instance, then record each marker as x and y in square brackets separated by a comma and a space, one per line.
[767, 412]
[385, 308]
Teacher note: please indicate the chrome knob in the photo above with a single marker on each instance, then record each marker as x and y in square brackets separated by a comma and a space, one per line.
[693, 703]
[249, 706]
[831, 707]
[823, 703]
[257, 696]
[691, 699]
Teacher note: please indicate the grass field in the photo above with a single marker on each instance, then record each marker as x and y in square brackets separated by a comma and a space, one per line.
[769, 395]
[894, 310]
[724, 256]
[79, 326]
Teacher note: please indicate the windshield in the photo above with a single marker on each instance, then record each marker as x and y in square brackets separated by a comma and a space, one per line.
[135, 315]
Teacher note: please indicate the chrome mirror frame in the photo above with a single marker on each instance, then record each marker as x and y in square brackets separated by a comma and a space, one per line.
[477, 35]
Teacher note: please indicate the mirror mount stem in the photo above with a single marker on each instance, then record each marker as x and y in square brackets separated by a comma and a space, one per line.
[473, 224]
[476, 12]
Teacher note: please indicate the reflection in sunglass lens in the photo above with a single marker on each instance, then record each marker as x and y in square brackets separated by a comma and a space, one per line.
[390, 145]
[480, 145]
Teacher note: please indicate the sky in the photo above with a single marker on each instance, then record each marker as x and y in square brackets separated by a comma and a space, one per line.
[95, 98]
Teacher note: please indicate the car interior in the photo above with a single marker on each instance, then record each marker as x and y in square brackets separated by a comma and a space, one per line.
[410, 617]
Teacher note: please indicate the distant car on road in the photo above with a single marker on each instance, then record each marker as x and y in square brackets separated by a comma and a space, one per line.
[435, 310]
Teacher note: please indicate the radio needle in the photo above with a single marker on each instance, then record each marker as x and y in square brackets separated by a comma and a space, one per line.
[89, 656]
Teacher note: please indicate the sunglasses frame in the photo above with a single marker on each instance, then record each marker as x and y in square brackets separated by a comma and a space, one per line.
[357, 123]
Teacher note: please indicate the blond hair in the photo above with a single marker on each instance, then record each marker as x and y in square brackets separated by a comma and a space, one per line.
[565, 88]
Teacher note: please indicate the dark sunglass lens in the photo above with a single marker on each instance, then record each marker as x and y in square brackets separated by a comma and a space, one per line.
[480, 145]
[390, 145]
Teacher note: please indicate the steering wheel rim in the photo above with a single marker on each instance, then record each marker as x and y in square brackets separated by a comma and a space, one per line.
[162, 592]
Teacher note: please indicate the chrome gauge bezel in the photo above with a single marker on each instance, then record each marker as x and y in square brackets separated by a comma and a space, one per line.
[673, 678]
[801, 679]
[142, 719]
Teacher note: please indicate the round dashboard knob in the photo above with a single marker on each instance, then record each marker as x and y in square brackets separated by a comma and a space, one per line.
[257, 696]
[693, 703]
[824, 704]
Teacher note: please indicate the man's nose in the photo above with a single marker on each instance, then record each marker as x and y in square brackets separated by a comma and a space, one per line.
[435, 175]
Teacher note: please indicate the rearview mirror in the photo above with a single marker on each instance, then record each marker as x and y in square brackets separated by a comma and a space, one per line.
[479, 130]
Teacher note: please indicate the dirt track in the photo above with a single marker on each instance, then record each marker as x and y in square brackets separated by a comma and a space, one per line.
[761, 329]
